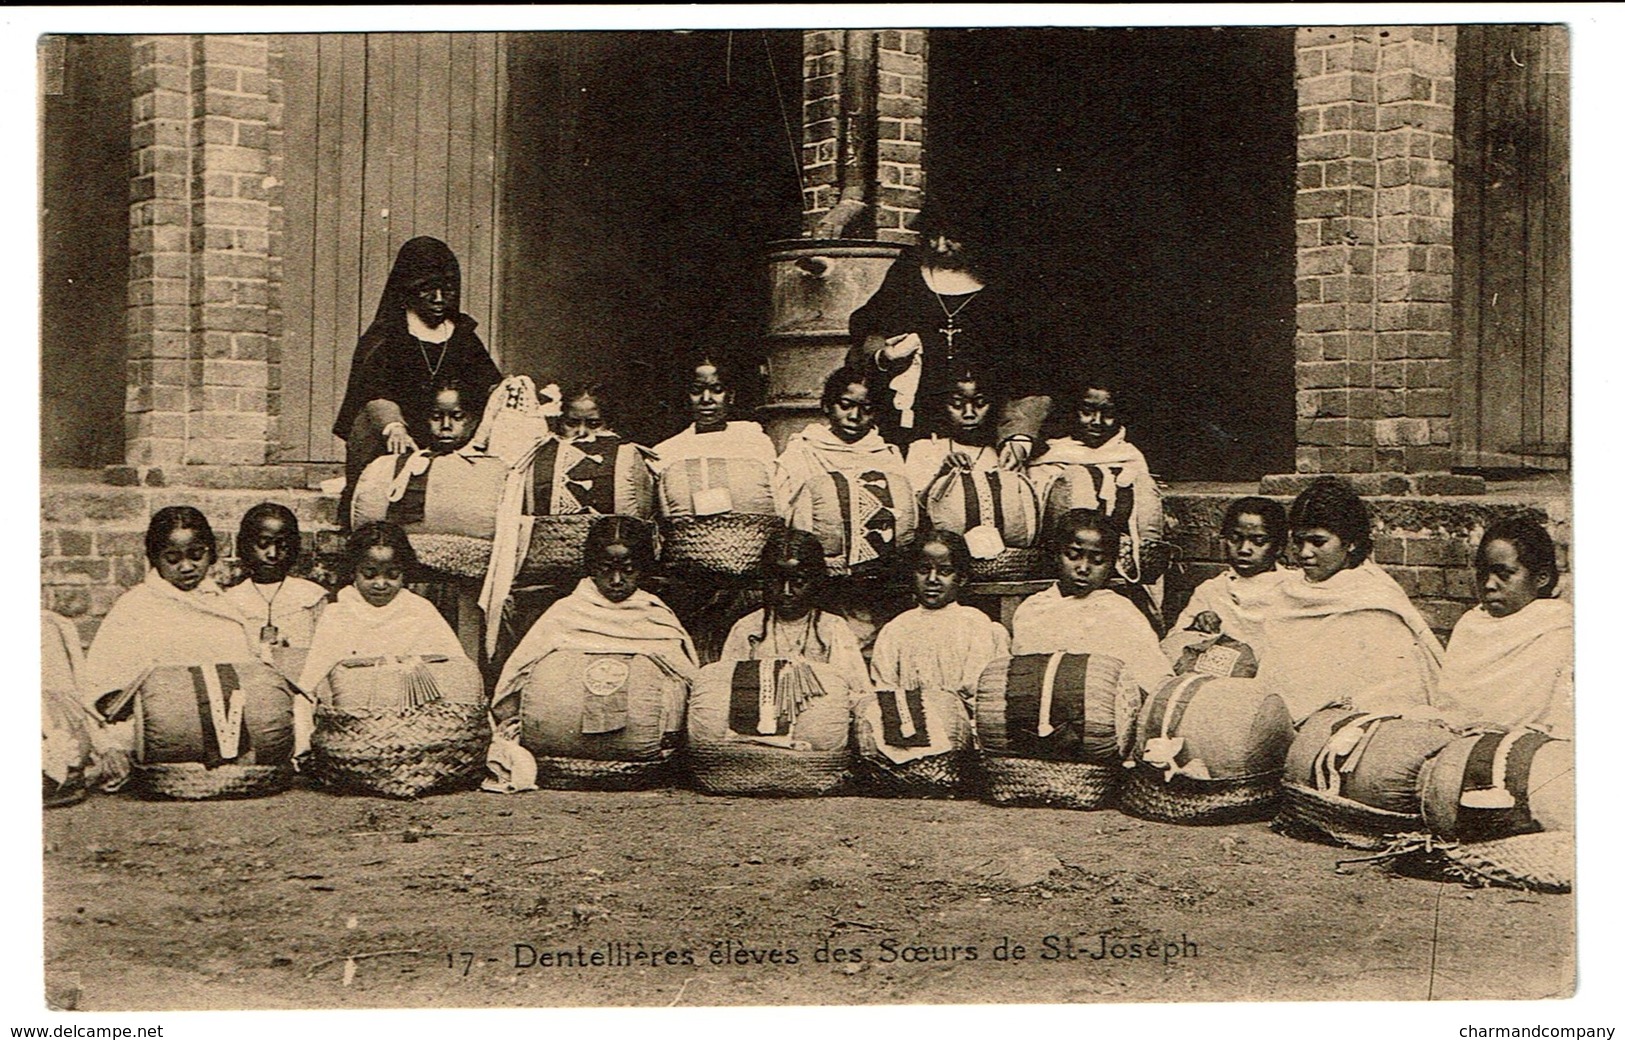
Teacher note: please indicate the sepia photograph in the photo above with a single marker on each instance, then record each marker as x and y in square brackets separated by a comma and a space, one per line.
[745, 516]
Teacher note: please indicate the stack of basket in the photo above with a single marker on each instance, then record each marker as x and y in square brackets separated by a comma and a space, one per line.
[716, 515]
[1352, 778]
[769, 727]
[402, 726]
[600, 721]
[1207, 750]
[914, 744]
[213, 731]
[998, 513]
[1054, 728]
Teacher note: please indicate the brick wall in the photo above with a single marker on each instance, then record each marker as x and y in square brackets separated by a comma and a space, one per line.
[899, 128]
[200, 288]
[1376, 109]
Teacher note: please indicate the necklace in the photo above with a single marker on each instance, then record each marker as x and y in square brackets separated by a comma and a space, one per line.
[950, 330]
[434, 369]
[268, 631]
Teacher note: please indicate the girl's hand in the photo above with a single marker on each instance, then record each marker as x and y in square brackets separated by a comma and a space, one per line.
[956, 460]
[1013, 453]
[113, 764]
[1207, 623]
[509, 729]
[398, 440]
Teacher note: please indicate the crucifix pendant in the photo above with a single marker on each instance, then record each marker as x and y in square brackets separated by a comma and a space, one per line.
[949, 332]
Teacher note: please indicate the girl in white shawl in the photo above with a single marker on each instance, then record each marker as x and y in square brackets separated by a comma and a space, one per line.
[1340, 631]
[848, 442]
[177, 615]
[941, 644]
[1510, 662]
[374, 616]
[965, 436]
[285, 607]
[1254, 532]
[791, 624]
[712, 434]
[1079, 614]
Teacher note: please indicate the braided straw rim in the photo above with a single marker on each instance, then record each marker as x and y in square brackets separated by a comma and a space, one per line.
[1540, 862]
[557, 773]
[462, 555]
[1240, 799]
[193, 781]
[747, 769]
[1335, 820]
[952, 774]
[556, 546]
[727, 543]
[1011, 565]
[1049, 784]
[401, 753]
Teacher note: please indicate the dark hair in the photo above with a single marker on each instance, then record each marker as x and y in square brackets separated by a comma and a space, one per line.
[265, 511]
[1531, 541]
[786, 544]
[1332, 503]
[953, 541]
[599, 395]
[471, 398]
[713, 359]
[836, 383]
[1266, 509]
[170, 519]
[379, 533]
[1069, 523]
[620, 530]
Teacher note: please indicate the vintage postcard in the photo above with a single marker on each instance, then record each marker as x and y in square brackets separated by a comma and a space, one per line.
[910, 514]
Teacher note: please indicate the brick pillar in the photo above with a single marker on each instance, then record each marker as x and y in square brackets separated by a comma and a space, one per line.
[898, 128]
[1376, 109]
[199, 318]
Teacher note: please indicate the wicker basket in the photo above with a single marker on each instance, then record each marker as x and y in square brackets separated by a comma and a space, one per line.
[457, 554]
[1541, 862]
[955, 774]
[1242, 799]
[1318, 816]
[1011, 565]
[1055, 785]
[557, 548]
[194, 781]
[727, 543]
[751, 769]
[556, 773]
[402, 752]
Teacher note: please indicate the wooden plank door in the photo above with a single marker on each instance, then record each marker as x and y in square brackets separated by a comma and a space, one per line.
[1512, 247]
[387, 136]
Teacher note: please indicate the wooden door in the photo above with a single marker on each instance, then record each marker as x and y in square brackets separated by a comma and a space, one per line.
[387, 136]
[1512, 247]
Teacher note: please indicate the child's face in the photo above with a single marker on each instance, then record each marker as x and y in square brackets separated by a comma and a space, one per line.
[789, 590]
[1248, 547]
[184, 560]
[448, 422]
[852, 415]
[378, 577]
[615, 573]
[1097, 417]
[708, 400]
[1084, 564]
[1505, 585]
[270, 551]
[582, 420]
[936, 579]
[433, 298]
[967, 408]
[1321, 553]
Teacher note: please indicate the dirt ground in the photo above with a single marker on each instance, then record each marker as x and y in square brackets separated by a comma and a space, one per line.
[259, 904]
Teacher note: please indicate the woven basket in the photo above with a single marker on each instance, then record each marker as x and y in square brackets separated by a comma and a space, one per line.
[404, 752]
[458, 554]
[1011, 565]
[727, 543]
[1146, 794]
[1318, 816]
[1155, 559]
[1055, 785]
[1542, 862]
[556, 773]
[751, 769]
[955, 774]
[557, 548]
[194, 781]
